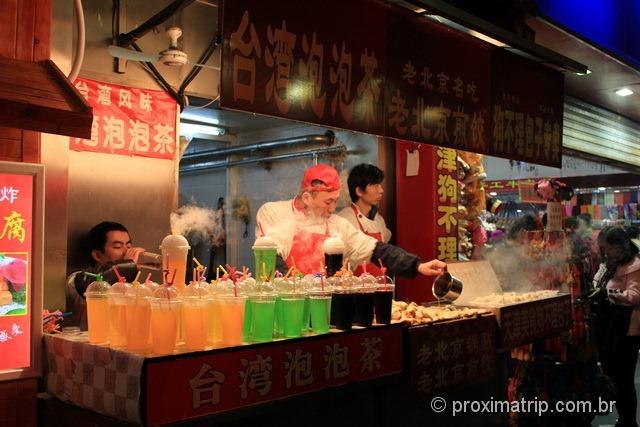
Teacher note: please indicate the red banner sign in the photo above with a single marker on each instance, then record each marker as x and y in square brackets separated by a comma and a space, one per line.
[527, 110]
[451, 354]
[438, 85]
[184, 387]
[382, 70]
[446, 183]
[277, 61]
[16, 290]
[128, 121]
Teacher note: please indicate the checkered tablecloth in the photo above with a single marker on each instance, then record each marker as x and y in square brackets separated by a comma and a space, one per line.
[94, 377]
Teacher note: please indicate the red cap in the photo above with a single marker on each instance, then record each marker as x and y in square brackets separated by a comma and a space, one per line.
[322, 172]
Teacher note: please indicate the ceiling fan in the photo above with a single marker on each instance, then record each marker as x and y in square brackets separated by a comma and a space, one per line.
[172, 56]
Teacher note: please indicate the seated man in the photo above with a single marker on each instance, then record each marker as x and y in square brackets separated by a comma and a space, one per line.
[107, 244]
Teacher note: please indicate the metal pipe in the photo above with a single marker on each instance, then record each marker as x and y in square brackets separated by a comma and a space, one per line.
[200, 167]
[125, 40]
[326, 139]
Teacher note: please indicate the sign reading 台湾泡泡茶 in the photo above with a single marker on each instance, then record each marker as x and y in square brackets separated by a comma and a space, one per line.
[128, 121]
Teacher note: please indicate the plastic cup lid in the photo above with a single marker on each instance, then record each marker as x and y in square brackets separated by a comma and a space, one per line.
[167, 292]
[119, 288]
[138, 291]
[174, 241]
[98, 287]
[264, 242]
[196, 290]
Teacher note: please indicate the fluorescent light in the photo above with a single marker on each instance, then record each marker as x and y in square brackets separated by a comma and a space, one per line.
[602, 188]
[188, 115]
[187, 129]
[584, 74]
[493, 193]
[616, 191]
[518, 210]
[624, 92]
[487, 38]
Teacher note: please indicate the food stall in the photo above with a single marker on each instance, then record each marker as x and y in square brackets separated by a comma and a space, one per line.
[422, 102]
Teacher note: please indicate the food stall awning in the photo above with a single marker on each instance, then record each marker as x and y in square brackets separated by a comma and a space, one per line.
[37, 96]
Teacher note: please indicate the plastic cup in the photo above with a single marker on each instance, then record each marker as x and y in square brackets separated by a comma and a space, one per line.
[363, 300]
[166, 308]
[292, 313]
[232, 316]
[265, 251]
[342, 308]
[306, 315]
[262, 316]
[382, 298]
[138, 315]
[176, 247]
[117, 315]
[196, 318]
[320, 308]
[98, 312]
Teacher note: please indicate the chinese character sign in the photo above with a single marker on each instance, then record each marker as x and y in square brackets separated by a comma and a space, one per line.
[446, 188]
[450, 354]
[437, 88]
[220, 381]
[16, 213]
[526, 111]
[128, 121]
[282, 59]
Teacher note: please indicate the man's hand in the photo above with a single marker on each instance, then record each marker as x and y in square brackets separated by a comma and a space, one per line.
[133, 253]
[432, 268]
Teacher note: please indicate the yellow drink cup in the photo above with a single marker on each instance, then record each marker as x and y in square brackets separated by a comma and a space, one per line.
[98, 311]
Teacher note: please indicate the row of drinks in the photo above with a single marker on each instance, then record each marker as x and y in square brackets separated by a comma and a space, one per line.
[147, 318]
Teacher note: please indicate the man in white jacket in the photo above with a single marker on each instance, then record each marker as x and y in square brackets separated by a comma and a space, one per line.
[365, 190]
[300, 226]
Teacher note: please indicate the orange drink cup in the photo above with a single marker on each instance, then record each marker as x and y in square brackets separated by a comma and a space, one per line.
[117, 315]
[98, 311]
[166, 307]
[176, 248]
[232, 316]
[196, 312]
[138, 314]
[215, 326]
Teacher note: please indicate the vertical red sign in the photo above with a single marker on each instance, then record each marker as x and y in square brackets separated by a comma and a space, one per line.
[446, 186]
[16, 291]
[128, 121]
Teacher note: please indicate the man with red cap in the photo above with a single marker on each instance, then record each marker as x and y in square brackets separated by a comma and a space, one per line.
[301, 225]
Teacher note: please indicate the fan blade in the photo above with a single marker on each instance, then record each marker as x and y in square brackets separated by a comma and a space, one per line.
[195, 64]
[131, 55]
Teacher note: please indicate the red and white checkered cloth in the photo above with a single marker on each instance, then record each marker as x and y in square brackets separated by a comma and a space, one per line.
[94, 377]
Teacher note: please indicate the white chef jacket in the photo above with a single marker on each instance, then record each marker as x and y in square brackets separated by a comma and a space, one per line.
[377, 225]
[280, 220]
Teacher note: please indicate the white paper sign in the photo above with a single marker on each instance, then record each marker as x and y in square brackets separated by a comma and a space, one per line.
[413, 162]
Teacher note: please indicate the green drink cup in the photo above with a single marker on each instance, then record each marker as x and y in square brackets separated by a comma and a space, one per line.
[265, 250]
[278, 324]
[262, 316]
[306, 315]
[320, 308]
[292, 314]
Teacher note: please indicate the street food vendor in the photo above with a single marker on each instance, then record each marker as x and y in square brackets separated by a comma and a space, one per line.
[107, 244]
[365, 191]
[300, 226]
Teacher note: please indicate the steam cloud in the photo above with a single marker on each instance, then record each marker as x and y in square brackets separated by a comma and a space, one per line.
[198, 224]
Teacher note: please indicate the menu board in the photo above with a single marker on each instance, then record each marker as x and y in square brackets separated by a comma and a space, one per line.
[21, 193]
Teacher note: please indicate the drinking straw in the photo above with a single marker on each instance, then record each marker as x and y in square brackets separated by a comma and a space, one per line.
[199, 266]
[288, 273]
[195, 274]
[135, 281]
[293, 261]
[97, 276]
[364, 267]
[384, 272]
[203, 276]
[120, 277]
[148, 279]
[322, 282]
[223, 270]
[217, 274]
[264, 268]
